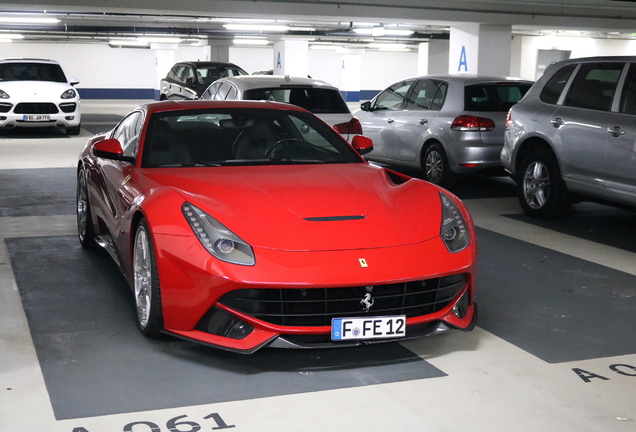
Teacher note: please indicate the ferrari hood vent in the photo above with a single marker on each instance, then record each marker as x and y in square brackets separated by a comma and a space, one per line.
[333, 218]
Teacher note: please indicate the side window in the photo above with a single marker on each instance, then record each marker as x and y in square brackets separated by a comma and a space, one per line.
[128, 131]
[423, 96]
[393, 97]
[594, 86]
[440, 96]
[173, 72]
[223, 92]
[628, 95]
[188, 74]
[231, 94]
[210, 92]
[553, 88]
[179, 74]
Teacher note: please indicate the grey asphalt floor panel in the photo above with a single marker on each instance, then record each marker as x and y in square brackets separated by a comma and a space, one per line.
[95, 361]
[554, 306]
[37, 192]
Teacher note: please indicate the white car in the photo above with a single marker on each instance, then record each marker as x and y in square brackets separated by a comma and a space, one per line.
[36, 93]
[317, 97]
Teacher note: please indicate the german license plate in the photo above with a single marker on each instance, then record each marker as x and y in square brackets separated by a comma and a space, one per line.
[36, 118]
[368, 328]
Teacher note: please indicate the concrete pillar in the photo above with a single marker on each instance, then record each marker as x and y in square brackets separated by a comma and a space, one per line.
[438, 56]
[422, 58]
[480, 49]
[350, 76]
[163, 62]
[291, 57]
[220, 53]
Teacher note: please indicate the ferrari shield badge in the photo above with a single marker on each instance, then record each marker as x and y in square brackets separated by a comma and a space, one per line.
[363, 263]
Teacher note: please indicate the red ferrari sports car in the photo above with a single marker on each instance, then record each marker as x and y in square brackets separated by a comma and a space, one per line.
[244, 225]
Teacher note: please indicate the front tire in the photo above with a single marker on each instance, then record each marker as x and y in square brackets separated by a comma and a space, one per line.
[146, 283]
[436, 167]
[539, 188]
[85, 229]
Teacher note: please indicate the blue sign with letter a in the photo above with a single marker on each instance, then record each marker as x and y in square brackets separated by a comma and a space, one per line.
[462, 60]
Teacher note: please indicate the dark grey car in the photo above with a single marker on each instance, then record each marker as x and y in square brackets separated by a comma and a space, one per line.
[443, 125]
[187, 80]
[573, 137]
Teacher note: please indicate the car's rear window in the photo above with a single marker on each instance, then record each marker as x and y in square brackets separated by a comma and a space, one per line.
[315, 100]
[32, 72]
[494, 97]
[209, 74]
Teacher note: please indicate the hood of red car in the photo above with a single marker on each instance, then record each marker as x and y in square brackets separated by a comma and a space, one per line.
[311, 207]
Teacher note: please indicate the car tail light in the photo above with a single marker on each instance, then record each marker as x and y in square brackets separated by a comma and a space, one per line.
[472, 124]
[509, 120]
[352, 127]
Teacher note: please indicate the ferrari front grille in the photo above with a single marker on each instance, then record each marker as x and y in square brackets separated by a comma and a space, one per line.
[305, 307]
[35, 108]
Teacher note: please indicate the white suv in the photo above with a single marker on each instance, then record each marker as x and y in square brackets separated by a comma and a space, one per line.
[36, 93]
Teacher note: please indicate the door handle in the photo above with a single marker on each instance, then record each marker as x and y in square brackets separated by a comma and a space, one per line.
[390, 120]
[423, 121]
[557, 122]
[615, 131]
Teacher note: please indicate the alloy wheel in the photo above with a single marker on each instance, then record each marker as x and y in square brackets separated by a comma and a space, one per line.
[434, 166]
[142, 268]
[536, 185]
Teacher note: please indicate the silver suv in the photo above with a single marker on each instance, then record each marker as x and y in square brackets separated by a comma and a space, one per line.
[572, 137]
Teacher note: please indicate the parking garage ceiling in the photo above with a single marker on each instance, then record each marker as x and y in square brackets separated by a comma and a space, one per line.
[405, 21]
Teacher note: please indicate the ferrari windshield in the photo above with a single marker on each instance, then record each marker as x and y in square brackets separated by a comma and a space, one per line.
[221, 137]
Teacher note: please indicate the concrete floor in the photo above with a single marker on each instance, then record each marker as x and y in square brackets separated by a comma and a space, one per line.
[576, 374]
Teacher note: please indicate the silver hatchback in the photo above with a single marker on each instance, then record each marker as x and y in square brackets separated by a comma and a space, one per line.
[443, 125]
[572, 137]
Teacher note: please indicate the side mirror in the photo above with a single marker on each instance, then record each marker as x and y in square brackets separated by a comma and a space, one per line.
[111, 149]
[365, 106]
[189, 82]
[73, 81]
[362, 144]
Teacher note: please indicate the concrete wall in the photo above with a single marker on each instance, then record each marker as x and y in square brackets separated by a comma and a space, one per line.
[129, 73]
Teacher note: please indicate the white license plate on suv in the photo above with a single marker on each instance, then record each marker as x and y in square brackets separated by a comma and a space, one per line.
[36, 118]
[368, 327]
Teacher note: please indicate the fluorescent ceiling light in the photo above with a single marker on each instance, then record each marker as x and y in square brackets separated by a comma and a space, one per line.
[388, 46]
[127, 42]
[160, 40]
[28, 20]
[383, 32]
[239, 41]
[256, 27]
[324, 47]
[11, 36]
[3, 40]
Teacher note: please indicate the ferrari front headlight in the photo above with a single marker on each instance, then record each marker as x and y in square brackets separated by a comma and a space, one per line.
[454, 232]
[217, 238]
[68, 94]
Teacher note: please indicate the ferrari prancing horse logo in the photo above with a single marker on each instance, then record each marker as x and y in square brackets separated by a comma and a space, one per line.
[363, 263]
